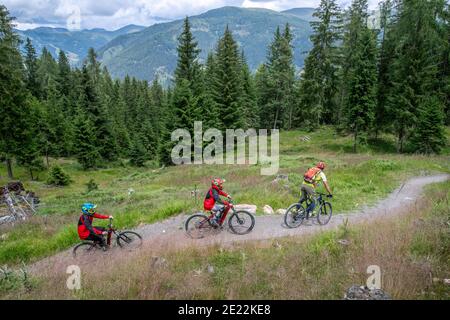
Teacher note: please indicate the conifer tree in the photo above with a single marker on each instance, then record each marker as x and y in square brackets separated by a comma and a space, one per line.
[227, 82]
[319, 81]
[47, 69]
[63, 77]
[414, 70]
[249, 106]
[31, 67]
[429, 135]
[138, 153]
[85, 142]
[13, 95]
[361, 75]
[205, 102]
[188, 67]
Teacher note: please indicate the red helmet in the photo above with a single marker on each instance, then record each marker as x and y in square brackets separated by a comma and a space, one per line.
[217, 183]
[321, 165]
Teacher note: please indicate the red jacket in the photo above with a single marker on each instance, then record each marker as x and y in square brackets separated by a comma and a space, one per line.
[85, 227]
[212, 196]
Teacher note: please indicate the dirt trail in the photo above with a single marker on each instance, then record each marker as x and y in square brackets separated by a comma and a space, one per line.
[169, 234]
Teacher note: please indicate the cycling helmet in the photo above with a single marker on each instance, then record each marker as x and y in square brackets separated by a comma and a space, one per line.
[321, 165]
[217, 183]
[88, 208]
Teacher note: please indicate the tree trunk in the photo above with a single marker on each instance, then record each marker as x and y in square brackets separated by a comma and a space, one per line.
[31, 174]
[355, 142]
[46, 157]
[400, 141]
[276, 119]
[9, 168]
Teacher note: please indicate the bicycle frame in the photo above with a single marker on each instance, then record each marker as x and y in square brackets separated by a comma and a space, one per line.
[224, 215]
[318, 198]
[111, 230]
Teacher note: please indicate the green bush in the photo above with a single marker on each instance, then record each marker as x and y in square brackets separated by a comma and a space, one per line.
[58, 177]
[91, 186]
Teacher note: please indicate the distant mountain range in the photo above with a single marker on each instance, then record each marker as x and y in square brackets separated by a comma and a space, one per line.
[148, 52]
[152, 52]
[74, 43]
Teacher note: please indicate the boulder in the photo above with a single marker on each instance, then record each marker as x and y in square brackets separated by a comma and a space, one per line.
[344, 242]
[365, 293]
[280, 211]
[246, 207]
[268, 209]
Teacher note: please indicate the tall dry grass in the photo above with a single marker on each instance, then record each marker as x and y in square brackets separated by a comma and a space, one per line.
[410, 249]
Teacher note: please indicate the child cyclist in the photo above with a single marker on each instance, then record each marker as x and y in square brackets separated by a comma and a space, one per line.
[214, 203]
[85, 229]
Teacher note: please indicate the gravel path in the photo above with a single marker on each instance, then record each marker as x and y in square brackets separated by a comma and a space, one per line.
[169, 234]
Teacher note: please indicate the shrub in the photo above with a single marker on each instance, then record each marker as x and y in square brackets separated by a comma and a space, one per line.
[91, 186]
[58, 177]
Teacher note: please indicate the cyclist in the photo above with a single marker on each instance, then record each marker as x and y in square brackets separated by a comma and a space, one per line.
[311, 181]
[85, 229]
[214, 203]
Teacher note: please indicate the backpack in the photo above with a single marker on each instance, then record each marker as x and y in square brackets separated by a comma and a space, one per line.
[311, 174]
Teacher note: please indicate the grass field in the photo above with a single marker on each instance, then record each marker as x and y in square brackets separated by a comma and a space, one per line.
[411, 250]
[356, 180]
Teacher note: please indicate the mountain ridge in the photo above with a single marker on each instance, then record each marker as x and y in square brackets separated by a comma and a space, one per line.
[74, 43]
[152, 52]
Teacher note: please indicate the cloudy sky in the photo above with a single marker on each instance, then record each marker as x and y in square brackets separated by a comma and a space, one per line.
[113, 14]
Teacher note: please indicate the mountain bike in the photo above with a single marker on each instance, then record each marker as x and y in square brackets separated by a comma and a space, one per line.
[296, 213]
[124, 239]
[240, 222]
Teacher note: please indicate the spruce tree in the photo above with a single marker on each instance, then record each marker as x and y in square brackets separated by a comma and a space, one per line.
[58, 177]
[29, 155]
[361, 76]
[31, 67]
[429, 136]
[320, 79]
[56, 124]
[63, 77]
[262, 93]
[95, 111]
[205, 102]
[414, 69]
[13, 95]
[278, 110]
[444, 65]
[47, 69]
[188, 67]
[249, 106]
[184, 106]
[383, 119]
[138, 153]
[85, 141]
[227, 82]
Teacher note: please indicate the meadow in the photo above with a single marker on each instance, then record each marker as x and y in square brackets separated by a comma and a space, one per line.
[137, 196]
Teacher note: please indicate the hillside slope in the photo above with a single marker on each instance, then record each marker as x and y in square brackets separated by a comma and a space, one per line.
[74, 43]
[153, 51]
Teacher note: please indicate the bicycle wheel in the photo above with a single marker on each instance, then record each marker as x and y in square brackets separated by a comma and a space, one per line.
[295, 215]
[129, 240]
[324, 213]
[241, 222]
[85, 250]
[197, 226]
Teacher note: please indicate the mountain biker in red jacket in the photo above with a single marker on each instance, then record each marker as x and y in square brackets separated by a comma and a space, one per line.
[214, 203]
[85, 229]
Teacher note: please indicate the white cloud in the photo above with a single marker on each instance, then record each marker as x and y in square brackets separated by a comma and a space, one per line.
[113, 14]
